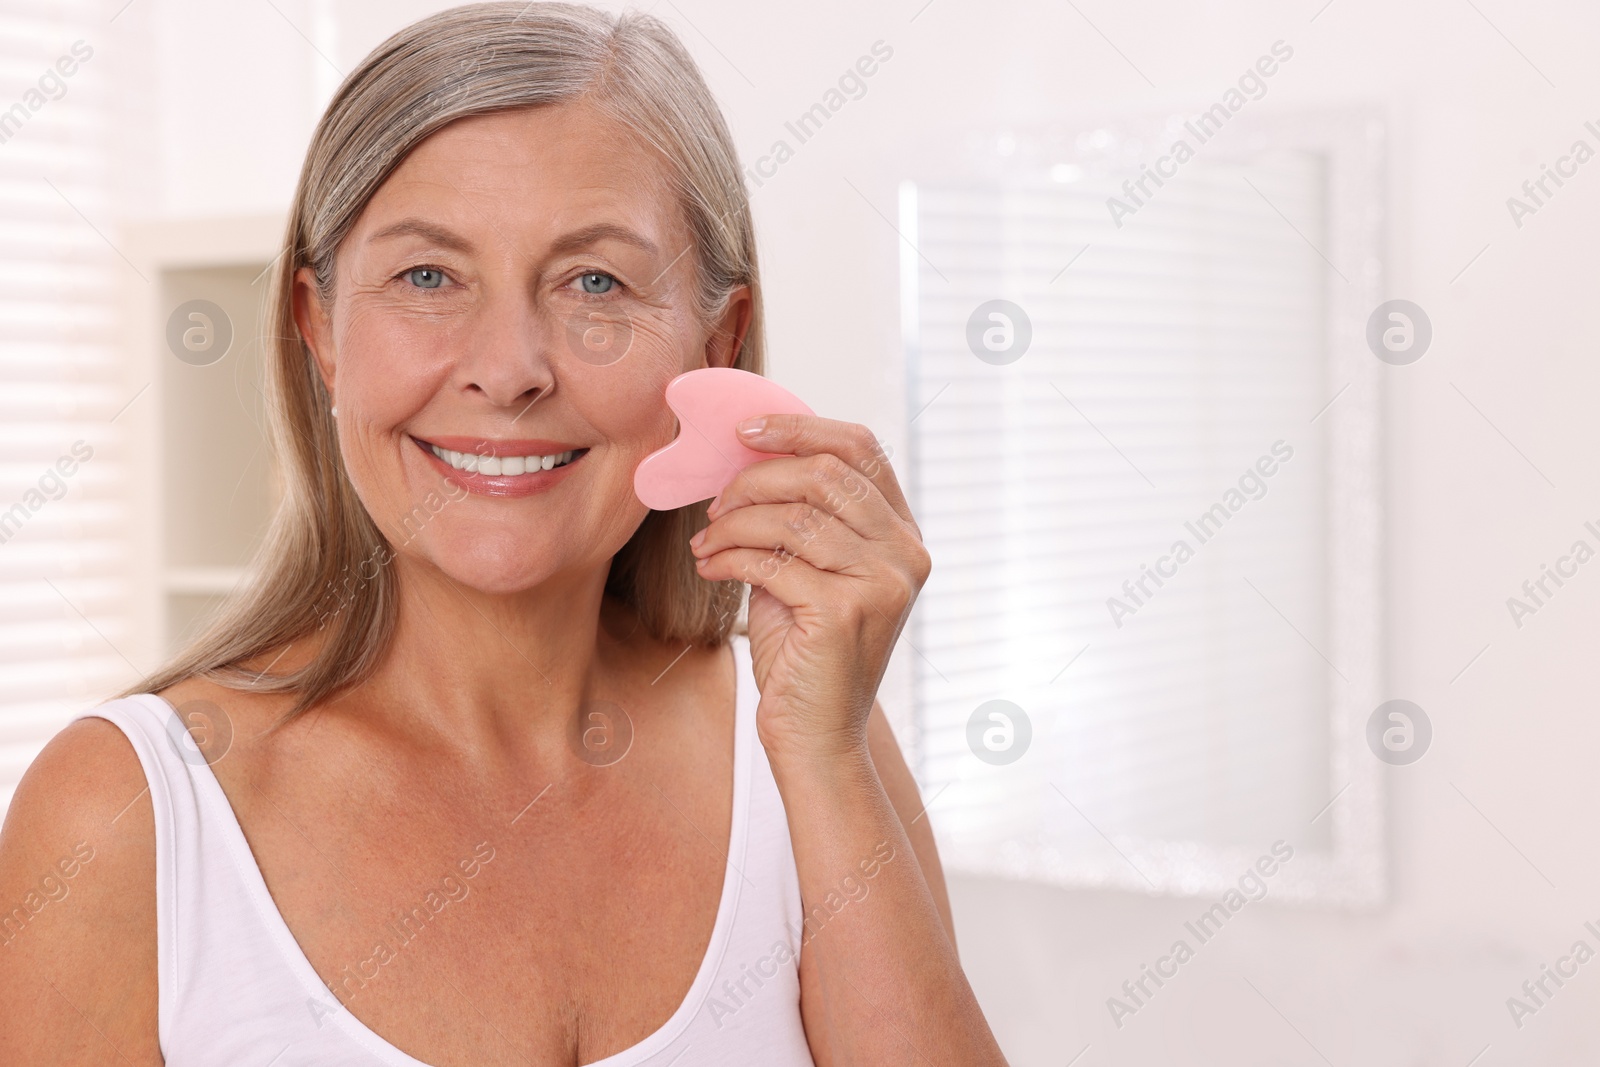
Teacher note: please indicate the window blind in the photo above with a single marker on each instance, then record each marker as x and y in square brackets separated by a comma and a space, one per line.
[1165, 362]
[63, 550]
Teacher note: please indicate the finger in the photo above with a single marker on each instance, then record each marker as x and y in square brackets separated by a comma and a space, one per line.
[836, 600]
[824, 481]
[793, 581]
[797, 529]
[811, 435]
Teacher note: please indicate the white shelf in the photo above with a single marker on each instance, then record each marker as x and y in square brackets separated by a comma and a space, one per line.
[199, 429]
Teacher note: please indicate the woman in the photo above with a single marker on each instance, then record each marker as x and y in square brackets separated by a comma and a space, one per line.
[474, 771]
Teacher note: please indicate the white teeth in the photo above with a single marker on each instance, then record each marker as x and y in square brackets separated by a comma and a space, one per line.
[471, 462]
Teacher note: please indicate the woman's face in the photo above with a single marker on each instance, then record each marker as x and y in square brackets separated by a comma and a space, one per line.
[508, 310]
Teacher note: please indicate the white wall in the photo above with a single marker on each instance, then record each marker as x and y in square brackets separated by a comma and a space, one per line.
[1424, 980]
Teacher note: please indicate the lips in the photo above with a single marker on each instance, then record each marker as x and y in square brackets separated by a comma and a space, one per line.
[505, 468]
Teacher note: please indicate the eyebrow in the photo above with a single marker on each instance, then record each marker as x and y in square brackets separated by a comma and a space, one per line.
[602, 231]
[445, 238]
[418, 228]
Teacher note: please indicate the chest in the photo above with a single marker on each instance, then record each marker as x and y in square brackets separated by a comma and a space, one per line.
[462, 921]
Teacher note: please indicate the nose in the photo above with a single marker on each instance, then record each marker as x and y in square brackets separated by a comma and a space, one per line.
[507, 359]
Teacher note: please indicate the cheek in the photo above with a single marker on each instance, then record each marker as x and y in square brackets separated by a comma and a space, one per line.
[389, 368]
[389, 365]
[625, 401]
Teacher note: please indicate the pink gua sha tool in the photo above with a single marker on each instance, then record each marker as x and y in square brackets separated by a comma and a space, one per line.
[707, 453]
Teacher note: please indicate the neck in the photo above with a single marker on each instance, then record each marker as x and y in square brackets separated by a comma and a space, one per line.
[492, 669]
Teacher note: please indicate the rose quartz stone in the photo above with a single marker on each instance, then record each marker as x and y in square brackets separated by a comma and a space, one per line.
[707, 453]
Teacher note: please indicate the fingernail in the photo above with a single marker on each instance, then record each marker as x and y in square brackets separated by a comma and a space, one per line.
[752, 427]
[711, 508]
[694, 542]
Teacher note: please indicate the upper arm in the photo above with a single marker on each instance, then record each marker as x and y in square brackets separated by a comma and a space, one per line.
[907, 801]
[77, 906]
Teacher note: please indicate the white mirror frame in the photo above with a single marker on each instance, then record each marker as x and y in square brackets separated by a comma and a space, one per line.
[1353, 872]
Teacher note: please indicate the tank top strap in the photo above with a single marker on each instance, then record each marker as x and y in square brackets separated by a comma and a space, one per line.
[755, 995]
[167, 754]
[768, 847]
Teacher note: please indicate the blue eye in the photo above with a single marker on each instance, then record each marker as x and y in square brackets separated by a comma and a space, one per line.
[425, 278]
[597, 283]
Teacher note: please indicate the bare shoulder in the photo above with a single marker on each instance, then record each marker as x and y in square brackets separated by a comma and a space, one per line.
[77, 905]
[85, 786]
[215, 715]
[901, 787]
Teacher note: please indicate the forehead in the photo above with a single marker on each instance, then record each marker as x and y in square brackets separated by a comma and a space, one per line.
[546, 170]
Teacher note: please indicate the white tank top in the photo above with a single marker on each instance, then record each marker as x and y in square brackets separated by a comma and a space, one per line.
[235, 987]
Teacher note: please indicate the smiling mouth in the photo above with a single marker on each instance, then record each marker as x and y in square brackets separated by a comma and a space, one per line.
[492, 460]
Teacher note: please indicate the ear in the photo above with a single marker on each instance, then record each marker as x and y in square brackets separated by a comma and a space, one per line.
[315, 324]
[727, 336]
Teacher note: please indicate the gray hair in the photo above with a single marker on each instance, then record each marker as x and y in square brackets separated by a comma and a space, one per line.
[322, 566]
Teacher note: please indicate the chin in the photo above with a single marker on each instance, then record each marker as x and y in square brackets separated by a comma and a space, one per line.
[505, 562]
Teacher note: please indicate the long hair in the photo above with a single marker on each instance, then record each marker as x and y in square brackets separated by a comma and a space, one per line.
[322, 566]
